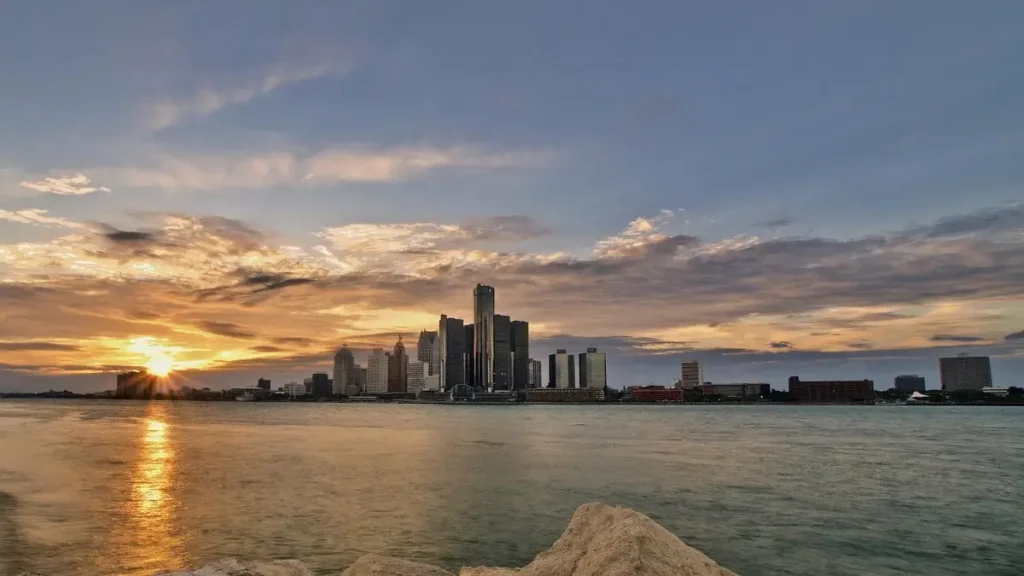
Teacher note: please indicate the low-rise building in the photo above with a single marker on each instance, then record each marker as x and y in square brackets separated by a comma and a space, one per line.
[745, 390]
[909, 383]
[657, 394]
[294, 389]
[565, 394]
[831, 391]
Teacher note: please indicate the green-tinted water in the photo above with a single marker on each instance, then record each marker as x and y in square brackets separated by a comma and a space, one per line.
[91, 487]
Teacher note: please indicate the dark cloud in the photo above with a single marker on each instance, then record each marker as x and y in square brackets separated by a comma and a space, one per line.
[996, 219]
[292, 341]
[227, 329]
[781, 345]
[1014, 336]
[772, 223]
[286, 283]
[38, 346]
[129, 236]
[267, 349]
[955, 338]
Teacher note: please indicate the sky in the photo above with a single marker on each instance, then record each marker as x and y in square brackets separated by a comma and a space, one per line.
[237, 188]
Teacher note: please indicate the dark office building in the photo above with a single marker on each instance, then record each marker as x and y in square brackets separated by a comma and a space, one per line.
[520, 337]
[263, 384]
[502, 352]
[136, 384]
[468, 360]
[454, 349]
[832, 391]
[909, 383]
[398, 369]
[321, 385]
[766, 390]
[483, 341]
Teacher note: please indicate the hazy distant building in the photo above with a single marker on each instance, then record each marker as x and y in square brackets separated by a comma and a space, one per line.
[307, 384]
[502, 378]
[744, 390]
[468, 357]
[451, 335]
[377, 372]
[483, 338]
[321, 385]
[965, 373]
[294, 389]
[263, 384]
[345, 371]
[520, 339]
[398, 369]
[561, 370]
[417, 375]
[427, 351]
[909, 383]
[137, 384]
[831, 391]
[692, 375]
[593, 369]
[536, 375]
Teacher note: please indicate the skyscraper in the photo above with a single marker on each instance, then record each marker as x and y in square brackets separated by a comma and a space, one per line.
[965, 373]
[377, 372]
[692, 375]
[426, 350]
[417, 376]
[398, 369]
[321, 385]
[344, 371]
[468, 357]
[520, 354]
[483, 341]
[536, 378]
[502, 352]
[593, 369]
[451, 333]
[561, 370]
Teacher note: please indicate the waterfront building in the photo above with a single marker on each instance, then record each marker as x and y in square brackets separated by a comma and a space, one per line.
[398, 366]
[344, 372]
[965, 373]
[536, 375]
[137, 384]
[692, 375]
[831, 391]
[520, 340]
[294, 389]
[909, 383]
[483, 340]
[657, 394]
[417, 375]
[377, 372]
[565, 394]
[744, 390]
[321, 385]
[307, 384]
[432, 383]
[502, 352]
[561, 370]
[427, 351]
[452, 339]
[263, 383]
[593, 369]
[468, 357]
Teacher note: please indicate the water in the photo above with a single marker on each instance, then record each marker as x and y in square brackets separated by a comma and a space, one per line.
[96, 487]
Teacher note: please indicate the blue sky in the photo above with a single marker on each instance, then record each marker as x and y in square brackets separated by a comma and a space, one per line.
[873, 137]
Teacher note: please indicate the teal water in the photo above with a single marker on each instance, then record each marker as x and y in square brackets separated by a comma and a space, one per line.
[97, 487]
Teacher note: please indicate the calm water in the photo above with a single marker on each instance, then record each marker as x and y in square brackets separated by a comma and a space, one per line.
[91, 487]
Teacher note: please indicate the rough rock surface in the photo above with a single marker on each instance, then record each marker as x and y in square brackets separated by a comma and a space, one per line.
[600, 541]
[374, 565]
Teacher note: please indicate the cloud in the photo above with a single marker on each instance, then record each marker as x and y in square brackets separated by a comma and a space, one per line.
[1014, 336]
[643, 236]
[322, 168]
[781, 345]
[37, 346]
[955, 338]
[772, 223]
[128, 236]
[73, 185]
[37, 217]
[206, 101]
[227, 329]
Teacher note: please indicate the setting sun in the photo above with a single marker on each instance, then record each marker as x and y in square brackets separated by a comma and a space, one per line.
[160, 365]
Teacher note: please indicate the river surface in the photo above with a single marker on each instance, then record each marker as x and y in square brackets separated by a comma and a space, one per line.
[109, 487]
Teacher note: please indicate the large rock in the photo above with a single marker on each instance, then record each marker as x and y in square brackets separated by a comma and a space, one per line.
[606, 541]
[232, 567]
[374, 565]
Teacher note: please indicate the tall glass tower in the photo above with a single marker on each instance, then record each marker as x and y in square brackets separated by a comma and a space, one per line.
[483, 337]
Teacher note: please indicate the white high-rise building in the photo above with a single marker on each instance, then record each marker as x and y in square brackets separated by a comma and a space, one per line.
[427, 350]
[692, 375]
[432, 383]
[593, 369]
[344, 371]
[561, 369]
[377, 372]
[416, 376]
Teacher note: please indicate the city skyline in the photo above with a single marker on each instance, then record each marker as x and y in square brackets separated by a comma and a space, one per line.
[826, 190]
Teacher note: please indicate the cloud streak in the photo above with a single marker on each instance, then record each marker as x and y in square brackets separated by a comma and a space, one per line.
[73, 185]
